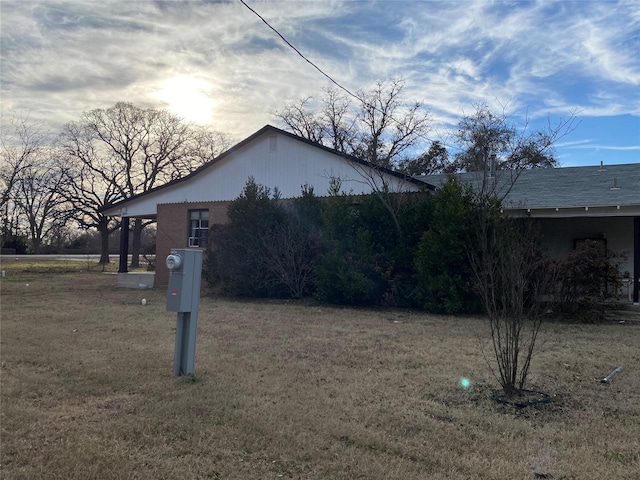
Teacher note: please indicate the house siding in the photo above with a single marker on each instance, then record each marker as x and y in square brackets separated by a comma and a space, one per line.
[559, 234]
[173, 230]
[273, 160]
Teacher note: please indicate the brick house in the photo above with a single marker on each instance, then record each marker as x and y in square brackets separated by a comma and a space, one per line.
[185, 208]
[573, 204]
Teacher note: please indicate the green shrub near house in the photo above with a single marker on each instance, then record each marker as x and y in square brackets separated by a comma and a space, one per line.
[236, 261]
[395, 250]
[269, 248]
[444, 277]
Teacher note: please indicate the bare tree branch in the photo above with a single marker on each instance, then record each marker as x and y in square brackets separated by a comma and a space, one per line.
[124, 151]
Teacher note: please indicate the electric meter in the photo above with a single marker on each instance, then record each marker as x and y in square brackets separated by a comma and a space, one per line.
[173, 262]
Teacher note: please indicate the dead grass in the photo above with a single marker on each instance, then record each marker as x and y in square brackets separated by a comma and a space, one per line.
[290, 390]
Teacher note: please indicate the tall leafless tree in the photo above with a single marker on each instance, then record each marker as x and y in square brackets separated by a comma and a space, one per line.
[21, 146]
[389, 126]
[125, 150]
[29, 186]
[88, 189]
[379, 127]
[39, 195]
[498, 150]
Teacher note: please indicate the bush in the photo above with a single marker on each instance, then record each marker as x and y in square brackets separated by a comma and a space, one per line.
[238, 259]
[588, 278]
[267, 249]
[512, 275]
[295, 248]
[348, 275]
[345, 273]
[16, 244]
[401, 250]
[444, 277]
[370, 243]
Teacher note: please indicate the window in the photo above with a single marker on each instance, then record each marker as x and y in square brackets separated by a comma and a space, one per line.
[198, 228]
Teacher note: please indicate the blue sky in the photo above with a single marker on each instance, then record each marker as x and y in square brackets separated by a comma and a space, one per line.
[215, 62]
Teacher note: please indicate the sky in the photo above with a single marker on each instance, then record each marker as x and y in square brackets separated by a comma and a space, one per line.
[217, 63]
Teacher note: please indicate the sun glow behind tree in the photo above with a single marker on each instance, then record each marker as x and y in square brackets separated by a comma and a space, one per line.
[187, 97]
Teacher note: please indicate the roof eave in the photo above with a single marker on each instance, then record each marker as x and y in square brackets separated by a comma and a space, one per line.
[116, 209]
[576, 211]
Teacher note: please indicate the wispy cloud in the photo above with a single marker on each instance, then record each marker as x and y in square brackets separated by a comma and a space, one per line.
[536, 58]
[610, 147]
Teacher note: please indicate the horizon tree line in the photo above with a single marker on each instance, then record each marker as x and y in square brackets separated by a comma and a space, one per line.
[50, 182]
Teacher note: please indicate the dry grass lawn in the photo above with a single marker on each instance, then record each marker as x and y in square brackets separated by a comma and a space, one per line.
[290, 390]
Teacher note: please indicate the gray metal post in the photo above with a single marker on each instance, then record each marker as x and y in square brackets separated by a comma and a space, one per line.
[185, 351]
[636, 260]
[183, 296]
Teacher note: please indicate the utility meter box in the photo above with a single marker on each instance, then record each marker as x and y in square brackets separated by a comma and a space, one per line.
[185, 270]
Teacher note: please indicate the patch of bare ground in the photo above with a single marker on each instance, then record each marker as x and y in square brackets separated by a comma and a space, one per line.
[296, 390]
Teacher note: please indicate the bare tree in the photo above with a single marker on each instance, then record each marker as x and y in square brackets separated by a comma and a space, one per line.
[303, 122]
[21, 146]
[512, 275]
[88, 187]
[339, 125]
[380, 128]
[29, 187]
[497, 150]
[389, 127]
[123, 151]
[40, 199]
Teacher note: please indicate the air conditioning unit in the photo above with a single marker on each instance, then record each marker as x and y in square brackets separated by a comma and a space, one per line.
[194, 241]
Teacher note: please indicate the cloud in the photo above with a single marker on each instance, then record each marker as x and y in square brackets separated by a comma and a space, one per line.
[534, 59]
[630, 148]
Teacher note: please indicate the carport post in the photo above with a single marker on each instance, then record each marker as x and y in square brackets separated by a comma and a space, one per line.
[636, 259]
[124, 245]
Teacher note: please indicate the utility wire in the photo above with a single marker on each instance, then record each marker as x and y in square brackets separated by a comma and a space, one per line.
[345, 89]
[301, 54]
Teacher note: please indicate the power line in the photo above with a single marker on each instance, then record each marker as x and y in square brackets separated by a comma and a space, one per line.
[345, 89]
[300, 53]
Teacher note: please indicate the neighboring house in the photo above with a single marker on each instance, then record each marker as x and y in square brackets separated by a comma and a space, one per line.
[573, 204]
[187, 207]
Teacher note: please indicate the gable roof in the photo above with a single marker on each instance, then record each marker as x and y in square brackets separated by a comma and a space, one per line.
[156, 194]
[605, 190]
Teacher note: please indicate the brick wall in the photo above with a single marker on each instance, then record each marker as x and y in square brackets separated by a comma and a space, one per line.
[173, 230]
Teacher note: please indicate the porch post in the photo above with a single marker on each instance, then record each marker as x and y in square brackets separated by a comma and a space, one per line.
[124, 244]
[636, 259]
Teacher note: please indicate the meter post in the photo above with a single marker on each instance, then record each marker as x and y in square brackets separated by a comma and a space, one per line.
[183, 297]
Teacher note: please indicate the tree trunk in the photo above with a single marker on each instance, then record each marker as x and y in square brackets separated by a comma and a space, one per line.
[135, 247]
[36, 244]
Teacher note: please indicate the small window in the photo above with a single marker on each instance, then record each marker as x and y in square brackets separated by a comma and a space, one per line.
[198, 228]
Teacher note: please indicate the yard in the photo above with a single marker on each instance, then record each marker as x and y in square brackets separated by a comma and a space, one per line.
[294, 390]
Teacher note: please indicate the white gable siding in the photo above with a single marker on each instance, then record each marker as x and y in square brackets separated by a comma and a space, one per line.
[274, 160]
